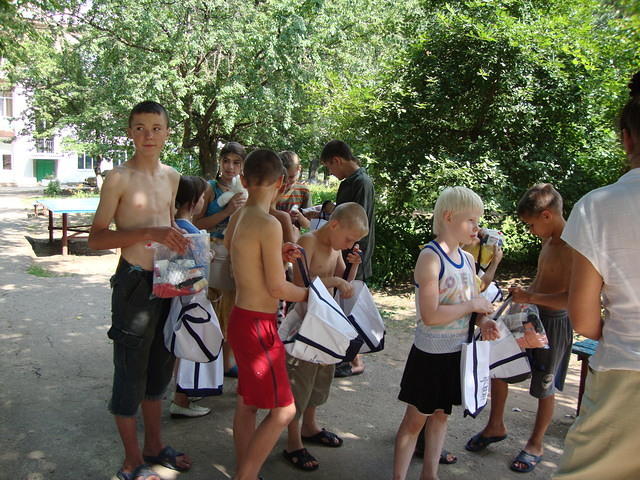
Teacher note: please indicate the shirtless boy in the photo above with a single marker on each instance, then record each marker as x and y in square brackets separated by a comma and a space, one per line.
[541, 209]
[311, 382]
[254, 239]
[139, 196]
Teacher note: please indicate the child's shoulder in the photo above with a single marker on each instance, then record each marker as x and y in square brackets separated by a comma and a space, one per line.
[309, 240]
[170, 171]
[428, 258]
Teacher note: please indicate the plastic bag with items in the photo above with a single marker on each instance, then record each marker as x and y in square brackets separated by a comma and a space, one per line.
[177, 274]
[523, 320]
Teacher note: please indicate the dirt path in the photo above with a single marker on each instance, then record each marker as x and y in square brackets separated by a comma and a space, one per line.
[56, 378]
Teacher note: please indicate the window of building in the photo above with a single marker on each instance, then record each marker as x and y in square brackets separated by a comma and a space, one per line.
[45, 145]
[6, 161]
[85, 161]
[6, 103]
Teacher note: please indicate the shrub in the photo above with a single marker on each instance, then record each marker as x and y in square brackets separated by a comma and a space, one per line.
[53, 188]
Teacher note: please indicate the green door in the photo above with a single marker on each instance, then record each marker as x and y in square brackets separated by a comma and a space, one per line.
[45, 168]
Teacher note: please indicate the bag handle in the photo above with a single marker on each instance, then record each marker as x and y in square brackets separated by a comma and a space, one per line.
[503, 307]
[472, 326]
[349, 265]
[496, 315]
[304, 267]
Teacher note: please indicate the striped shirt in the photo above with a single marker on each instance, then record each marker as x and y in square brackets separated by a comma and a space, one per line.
[298, 195]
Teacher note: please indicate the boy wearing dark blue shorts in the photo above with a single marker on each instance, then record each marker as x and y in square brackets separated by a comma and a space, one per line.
[541, 209]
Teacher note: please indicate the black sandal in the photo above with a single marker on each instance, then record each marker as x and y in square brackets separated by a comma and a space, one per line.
[324, 438]
[301, 459]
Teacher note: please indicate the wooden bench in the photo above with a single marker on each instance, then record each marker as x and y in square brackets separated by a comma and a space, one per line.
[583, 349]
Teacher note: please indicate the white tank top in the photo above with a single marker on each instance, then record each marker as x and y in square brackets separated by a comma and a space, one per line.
[457, 285]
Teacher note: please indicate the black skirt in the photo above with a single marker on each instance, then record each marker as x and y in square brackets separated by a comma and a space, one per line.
[431, 381]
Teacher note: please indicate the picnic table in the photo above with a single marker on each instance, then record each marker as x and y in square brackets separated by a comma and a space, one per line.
[583, 349]
[65, 206]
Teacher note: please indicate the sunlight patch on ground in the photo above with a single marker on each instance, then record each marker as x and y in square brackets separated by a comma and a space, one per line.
[222, 469]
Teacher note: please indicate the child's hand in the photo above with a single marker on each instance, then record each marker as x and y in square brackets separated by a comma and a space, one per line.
[290, 252]
[480, 304]
[519, 295]
[355, 256]
[236, 202]
[497, 254]
[297, 216]
[171, 237]
[489, 329]
[346, 289]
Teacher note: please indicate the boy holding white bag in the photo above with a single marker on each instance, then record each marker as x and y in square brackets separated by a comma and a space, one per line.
[311, 382]
[540, 208]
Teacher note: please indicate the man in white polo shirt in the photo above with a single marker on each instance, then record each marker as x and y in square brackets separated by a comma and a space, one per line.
[603, 229]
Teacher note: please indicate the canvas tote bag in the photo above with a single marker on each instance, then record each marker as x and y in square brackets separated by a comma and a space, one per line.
[474, 372]
[362, 312]
[508, 362]
[192, 330]
[318, 331]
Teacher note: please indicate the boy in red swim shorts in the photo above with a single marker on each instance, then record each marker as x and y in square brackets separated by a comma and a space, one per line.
[254, 239]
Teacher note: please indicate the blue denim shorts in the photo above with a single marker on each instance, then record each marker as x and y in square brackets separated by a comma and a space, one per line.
[142, 365]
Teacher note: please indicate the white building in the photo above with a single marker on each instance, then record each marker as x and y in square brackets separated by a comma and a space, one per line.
[27, 161]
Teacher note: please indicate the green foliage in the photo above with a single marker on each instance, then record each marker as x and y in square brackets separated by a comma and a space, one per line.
[233, 70]
[53, 189]
[496, 96]
[321, 192]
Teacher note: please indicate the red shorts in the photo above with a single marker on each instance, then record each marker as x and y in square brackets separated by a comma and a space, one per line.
[262, 371]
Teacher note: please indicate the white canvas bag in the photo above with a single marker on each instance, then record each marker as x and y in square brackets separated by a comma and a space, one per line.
[362, 312]
[508, 361]
[474, 372]
[200, 379]
[192, 330]
[318, 331]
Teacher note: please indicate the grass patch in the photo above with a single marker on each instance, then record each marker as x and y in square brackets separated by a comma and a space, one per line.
[38, 271]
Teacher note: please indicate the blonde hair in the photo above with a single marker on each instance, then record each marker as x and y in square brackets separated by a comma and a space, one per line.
[455, 200]
[351, 215]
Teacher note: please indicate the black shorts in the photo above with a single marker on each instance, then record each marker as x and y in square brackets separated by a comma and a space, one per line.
[142, 365]
[431, 381]
[549, 366]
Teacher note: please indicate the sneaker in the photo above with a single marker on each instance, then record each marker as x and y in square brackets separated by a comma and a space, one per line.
[190, 411]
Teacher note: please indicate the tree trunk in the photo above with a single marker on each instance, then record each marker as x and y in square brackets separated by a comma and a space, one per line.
[207, 156]
[313, 170]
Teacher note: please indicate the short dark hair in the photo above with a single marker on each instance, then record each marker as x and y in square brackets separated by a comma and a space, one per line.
[630, 115]
[262, 167]
[539, 198]
[148, 106]
[190, 189]
[337, 148]
[289, 158]
[235, 148]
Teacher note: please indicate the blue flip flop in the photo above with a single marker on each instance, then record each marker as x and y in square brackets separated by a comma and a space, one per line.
[168, 457]
[480, 442]
[528, 459]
